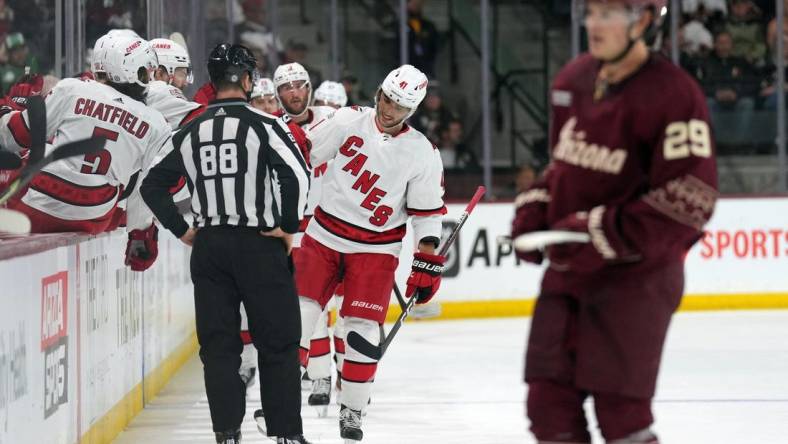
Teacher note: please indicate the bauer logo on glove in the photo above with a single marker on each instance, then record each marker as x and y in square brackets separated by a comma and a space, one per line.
[425, 276]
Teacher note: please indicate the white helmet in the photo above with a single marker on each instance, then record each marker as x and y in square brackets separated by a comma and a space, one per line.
[292, 72]
[99, 52]
[332, 93]
[126, 56]
[119, 32]
[263, 87]
[406, 86]
[171, 55]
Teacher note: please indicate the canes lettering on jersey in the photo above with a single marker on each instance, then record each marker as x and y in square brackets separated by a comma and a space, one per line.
[112, 114]
[390, 177]
[365, 182]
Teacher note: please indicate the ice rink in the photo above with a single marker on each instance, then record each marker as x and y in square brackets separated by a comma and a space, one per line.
[724, 380]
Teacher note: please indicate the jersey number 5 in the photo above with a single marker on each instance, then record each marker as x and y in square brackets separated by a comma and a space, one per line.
[683, 139]
[99, 162]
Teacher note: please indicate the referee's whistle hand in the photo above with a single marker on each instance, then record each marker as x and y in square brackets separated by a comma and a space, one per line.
[287, 238]
[188, 238]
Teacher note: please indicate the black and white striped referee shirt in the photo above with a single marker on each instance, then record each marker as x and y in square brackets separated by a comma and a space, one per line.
[242, 168]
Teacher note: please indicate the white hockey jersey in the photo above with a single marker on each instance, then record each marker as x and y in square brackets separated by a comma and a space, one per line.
[373, 183]
[79, 109]
[171, 102]
[317, 113]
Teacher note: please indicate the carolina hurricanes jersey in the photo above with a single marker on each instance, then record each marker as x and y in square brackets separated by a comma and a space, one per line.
[81, 109]
[373, 183]
[171, 102]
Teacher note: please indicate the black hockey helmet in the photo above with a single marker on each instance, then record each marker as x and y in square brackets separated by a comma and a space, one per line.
[228, 63]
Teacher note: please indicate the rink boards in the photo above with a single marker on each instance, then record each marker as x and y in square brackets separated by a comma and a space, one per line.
[84, 343]
[740, 262]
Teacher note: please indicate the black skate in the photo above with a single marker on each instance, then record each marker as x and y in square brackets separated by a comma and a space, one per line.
[350, 425]
[298, 439]
[259, 418]
[321, 396]
[229, 437]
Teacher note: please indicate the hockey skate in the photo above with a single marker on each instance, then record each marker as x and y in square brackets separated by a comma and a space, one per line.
[259, 418]
[306, 383]
[298, 439]
[229, 437]
[320, 397]
[350, 425]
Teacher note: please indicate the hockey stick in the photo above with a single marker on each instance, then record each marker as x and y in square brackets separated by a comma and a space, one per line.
[37, 117]
[539, 240]
[77, 148]
[377, 351]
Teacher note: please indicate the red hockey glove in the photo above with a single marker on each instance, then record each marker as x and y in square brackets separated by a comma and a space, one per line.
[142, 248]
[425, 276]
[528, 217]
[29, 85]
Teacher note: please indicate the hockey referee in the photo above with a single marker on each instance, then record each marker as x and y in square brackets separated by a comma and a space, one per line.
[248, 183]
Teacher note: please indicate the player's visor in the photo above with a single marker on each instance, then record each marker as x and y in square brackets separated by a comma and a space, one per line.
[292, 86]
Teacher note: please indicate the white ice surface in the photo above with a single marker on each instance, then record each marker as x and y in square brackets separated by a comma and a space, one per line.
[724, 380]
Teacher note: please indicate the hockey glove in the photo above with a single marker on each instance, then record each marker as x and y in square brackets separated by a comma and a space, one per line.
[142, 248]
[529, 216]
[29, 85]
[425, 276]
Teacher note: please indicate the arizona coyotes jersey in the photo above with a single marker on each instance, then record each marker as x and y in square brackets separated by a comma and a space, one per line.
[81, 109]
[638, 158]
[171, 102]
[373, 183]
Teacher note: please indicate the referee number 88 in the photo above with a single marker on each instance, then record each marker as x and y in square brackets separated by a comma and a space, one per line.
[226, 163]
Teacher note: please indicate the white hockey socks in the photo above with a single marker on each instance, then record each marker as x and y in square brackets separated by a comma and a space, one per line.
[319, 365]
[310, 313]
[358, 371]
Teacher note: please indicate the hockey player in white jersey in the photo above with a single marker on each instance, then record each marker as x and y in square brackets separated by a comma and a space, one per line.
[294, 92]
[81, 194]
[165, 93]
[382, 172]
[330, 94]
[264, 96]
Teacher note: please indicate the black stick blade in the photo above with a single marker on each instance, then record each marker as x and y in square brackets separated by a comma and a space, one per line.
[363, 346]
[78, 148]
[37, 116]
[9, 160]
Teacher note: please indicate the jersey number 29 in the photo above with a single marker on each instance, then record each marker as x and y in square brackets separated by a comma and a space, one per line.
[683, 139]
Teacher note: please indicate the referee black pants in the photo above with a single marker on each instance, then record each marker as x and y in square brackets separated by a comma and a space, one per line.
[230, 265]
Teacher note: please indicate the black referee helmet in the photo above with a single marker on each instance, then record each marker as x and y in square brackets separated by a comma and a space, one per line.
[228, 63]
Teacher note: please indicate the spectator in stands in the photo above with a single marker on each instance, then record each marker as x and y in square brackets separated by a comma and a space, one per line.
[746, 30]
[712, 7]
[19, 58]
[354, 95]
[454, 153]
[432, 115]
[526, 177]
[296, 52]
[728, 80]
[696, 38]
[6, 18]
[260, 44]
[769, 88]
[423, 39]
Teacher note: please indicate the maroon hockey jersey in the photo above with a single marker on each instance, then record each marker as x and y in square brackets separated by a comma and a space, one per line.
[634, 167]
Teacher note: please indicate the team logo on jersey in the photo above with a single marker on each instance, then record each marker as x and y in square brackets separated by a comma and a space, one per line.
[573, 148]
[561, 98]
